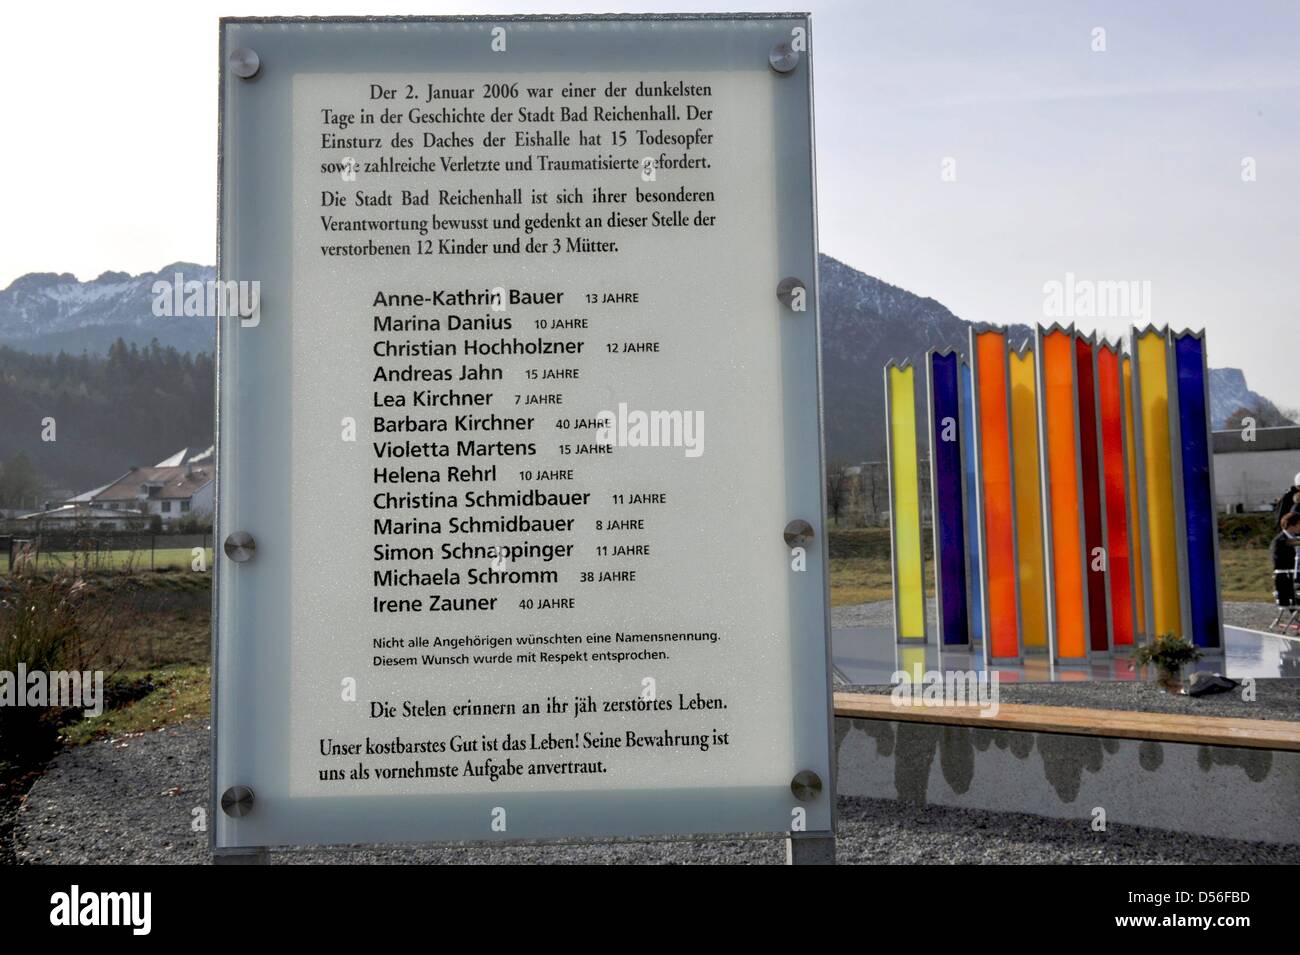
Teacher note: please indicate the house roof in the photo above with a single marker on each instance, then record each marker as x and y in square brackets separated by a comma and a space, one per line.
[176, 483]
[71, 512]
[87, 496]
[186, 455]
[1286, 438]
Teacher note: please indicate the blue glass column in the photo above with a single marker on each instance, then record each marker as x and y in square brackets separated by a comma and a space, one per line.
[948, 506]
[1198, 494]
[970, 510]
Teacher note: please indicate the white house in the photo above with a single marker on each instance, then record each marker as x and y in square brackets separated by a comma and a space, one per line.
[177, 487]
[80, 517]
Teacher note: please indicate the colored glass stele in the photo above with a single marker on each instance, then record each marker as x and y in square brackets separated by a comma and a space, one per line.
[1029, 512]
[1090, 474]
[948, 514]
[1152, 368]
[910, 660]
[1060, 428]
[975, 569]
[1198, 499]
[1110, 400]
[1135, 535]
[998, 512]
[905, 504]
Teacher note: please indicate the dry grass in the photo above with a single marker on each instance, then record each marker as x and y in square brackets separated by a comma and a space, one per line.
[860, 569]
[860, 566]
[148, 631]
[856, 580]
[180, 694]
[1246, 575]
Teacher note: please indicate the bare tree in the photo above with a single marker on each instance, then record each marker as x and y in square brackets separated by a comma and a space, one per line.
[1265, 416]
[837, 488]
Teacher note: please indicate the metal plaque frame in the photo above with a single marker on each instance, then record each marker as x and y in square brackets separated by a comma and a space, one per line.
[251, 617]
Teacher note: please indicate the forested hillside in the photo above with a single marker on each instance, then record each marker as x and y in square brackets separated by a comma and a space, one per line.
[134, 407]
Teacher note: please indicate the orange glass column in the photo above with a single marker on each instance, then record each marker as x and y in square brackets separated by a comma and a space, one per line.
[1110, 401]
[997, 499]
[1058, 417]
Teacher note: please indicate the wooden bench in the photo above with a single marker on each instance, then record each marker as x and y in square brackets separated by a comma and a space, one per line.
[1076, 721]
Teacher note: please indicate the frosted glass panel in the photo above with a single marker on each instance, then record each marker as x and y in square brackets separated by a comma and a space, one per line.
[518, 430]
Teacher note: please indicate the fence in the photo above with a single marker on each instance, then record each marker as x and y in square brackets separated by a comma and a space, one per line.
[859, 496]
[100, 550]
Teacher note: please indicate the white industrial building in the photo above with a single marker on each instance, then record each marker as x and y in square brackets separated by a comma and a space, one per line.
[1253, 468]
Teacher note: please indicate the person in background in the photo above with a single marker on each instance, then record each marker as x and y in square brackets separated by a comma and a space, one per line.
[1288, 503]
[1284, 559]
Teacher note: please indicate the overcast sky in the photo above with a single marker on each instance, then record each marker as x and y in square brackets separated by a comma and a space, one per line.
[1122, 165]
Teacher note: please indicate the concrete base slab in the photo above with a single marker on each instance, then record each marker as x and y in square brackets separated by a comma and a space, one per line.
[1217, 791]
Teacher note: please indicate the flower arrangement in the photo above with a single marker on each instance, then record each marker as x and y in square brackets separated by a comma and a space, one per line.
[1169, 654]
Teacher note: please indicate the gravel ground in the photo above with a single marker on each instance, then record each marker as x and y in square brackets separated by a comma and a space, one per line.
[879, 613]
[130, 801]
[1252, 616]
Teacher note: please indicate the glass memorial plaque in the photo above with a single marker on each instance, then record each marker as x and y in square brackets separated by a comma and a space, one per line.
[515, 447]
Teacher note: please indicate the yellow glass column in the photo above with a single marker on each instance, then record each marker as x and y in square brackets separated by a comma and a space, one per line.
[1152, 356]
[905, 502]
[1029, 504]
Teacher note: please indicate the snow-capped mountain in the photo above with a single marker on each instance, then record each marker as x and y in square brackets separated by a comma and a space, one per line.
[48, 312]
[865, 322]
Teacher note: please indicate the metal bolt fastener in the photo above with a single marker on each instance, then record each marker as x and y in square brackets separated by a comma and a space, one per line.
[238, 801]
[783, 57]
[240, 546]
[806, 785]
[786, 288]
[245, 63]
[798, 533]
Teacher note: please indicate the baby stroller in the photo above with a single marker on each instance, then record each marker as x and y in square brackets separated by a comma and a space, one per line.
[1284, 594]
